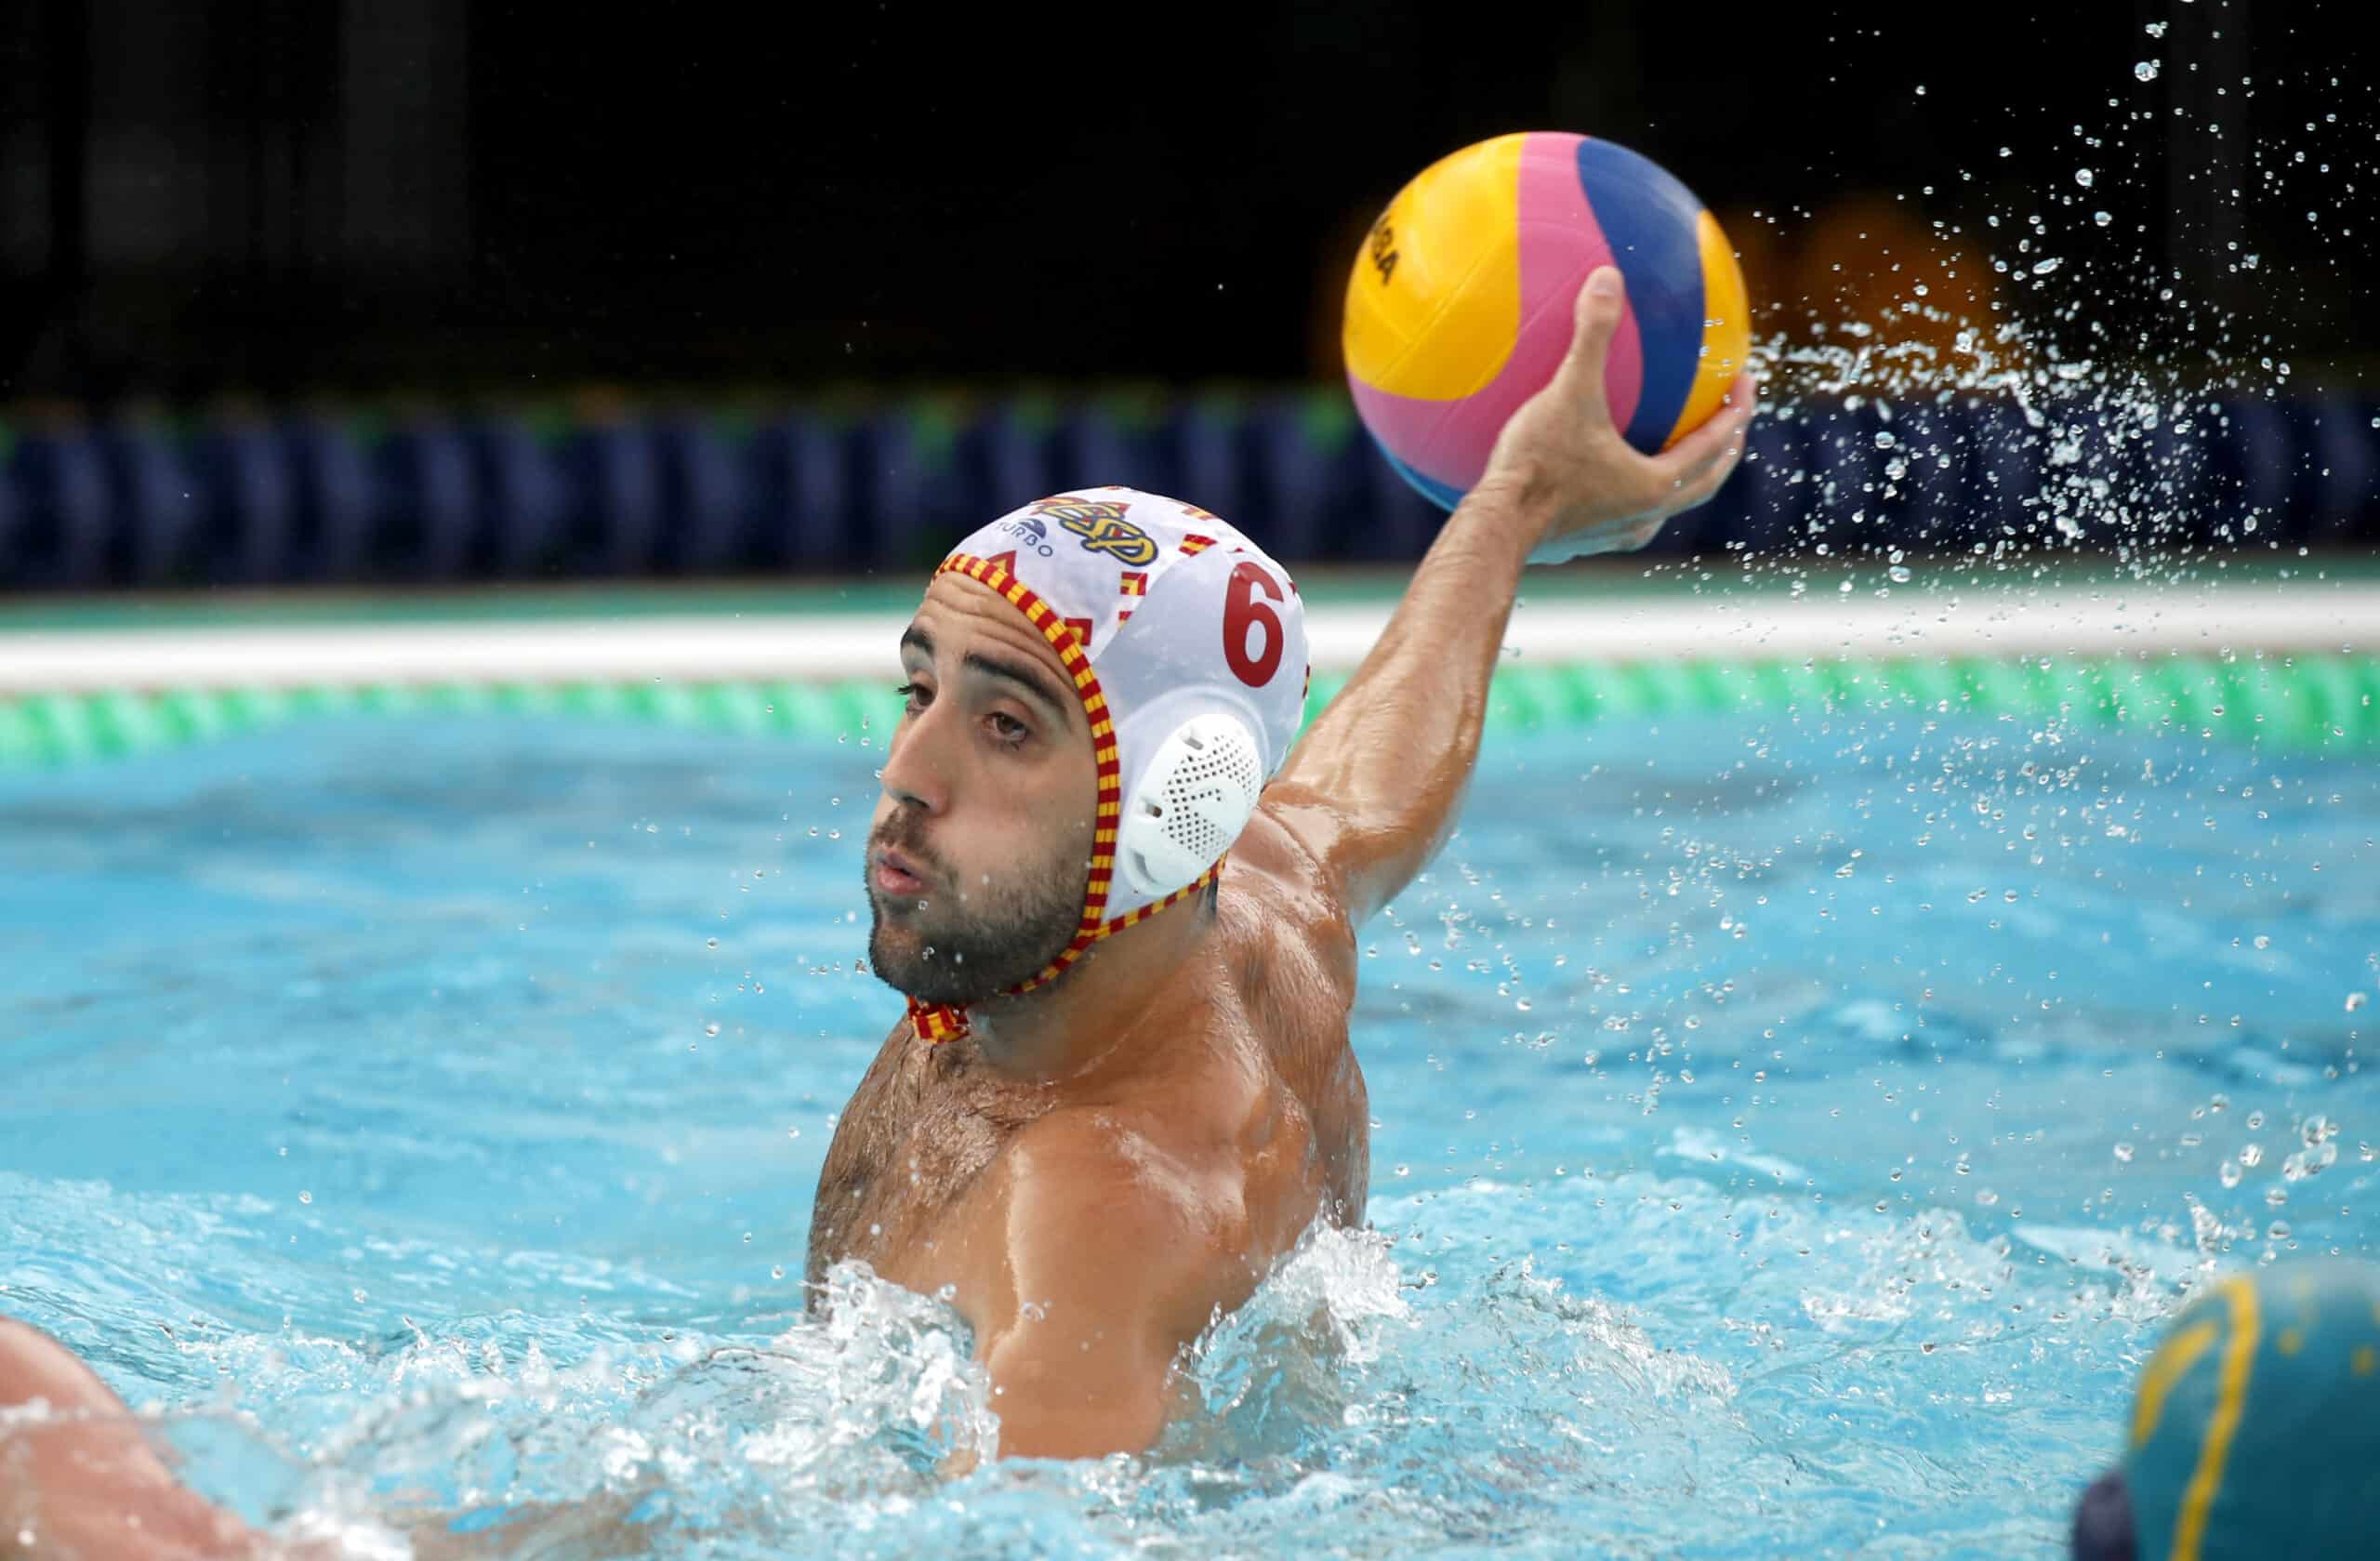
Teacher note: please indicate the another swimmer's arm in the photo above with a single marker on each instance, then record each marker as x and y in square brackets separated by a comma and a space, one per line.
[84, 1480]
[80, 1474]
[1374, 786]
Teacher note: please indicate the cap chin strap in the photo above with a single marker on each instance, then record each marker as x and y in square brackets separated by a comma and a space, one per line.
[941, 1022]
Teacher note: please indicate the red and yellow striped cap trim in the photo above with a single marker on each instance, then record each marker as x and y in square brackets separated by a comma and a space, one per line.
[937, 1022]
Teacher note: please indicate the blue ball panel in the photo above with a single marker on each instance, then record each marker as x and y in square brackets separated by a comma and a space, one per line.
[1649, 219]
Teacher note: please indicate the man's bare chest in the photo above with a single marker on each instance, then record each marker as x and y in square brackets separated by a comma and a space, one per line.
[908, 1149]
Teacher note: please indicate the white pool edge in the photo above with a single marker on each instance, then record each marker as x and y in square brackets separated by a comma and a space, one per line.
[2255, 617]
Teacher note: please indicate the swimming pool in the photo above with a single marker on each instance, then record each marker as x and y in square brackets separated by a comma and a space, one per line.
[1792, 1126]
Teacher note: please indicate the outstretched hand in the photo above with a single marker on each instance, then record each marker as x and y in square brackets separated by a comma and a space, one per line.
[1562, 455]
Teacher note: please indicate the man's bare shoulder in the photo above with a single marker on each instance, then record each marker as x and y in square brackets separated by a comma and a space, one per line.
[1276, 874]
[1275, 845]
[1096, 1201]
[1130, 1158]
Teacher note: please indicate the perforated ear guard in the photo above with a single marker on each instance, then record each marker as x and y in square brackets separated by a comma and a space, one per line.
[1196, 794]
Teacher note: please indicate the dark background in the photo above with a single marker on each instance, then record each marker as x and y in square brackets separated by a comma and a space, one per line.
[288, 198]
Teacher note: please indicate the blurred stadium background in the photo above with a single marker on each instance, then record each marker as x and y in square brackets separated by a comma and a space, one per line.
[421, 291]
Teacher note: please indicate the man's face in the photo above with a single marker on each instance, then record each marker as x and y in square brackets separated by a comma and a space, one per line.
[980, 851]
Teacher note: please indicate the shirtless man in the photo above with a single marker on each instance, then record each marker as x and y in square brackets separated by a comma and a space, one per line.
[1124, 1087]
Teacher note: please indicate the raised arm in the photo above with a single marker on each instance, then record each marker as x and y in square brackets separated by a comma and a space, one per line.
[1372, 788]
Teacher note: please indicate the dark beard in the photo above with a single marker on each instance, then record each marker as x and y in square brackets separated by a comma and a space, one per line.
[963, 952]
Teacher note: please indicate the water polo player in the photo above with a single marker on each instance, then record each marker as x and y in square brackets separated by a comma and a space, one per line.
[2255, 1428]
[1123, 908]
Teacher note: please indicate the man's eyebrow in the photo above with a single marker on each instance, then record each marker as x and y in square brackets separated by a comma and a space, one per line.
[1026, 678]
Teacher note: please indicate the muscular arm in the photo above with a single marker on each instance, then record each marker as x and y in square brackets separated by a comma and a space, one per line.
[1372, 788]
[1106, 1261]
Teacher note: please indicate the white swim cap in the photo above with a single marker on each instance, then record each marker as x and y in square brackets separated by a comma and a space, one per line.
[1187, 647]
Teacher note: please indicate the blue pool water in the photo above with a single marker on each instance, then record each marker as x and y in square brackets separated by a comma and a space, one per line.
[1791, 1133]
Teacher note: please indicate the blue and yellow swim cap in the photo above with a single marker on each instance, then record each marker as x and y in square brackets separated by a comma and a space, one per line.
[2255, 1430]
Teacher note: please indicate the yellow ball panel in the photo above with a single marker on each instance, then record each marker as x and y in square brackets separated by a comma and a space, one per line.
[1726, 331]
[1434, 303]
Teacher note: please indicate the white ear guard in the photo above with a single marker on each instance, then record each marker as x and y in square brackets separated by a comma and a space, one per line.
[1196, 641]
[1190, 803]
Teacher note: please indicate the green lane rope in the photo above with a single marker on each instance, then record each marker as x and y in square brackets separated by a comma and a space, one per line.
[2296, 702]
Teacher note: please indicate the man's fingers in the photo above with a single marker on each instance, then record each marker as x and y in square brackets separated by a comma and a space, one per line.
[1719, 433]
[1695, 466]
[1636, 537]
[1595, 320]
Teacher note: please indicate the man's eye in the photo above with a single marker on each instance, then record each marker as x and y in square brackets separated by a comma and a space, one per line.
[914, 697]
[1008, 727]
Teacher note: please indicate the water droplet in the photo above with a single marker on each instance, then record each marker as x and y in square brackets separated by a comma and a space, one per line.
[2082, 177]
[2042, 268]
[2230, 1173]
[2103, 217]
[2146, 70]
[304, 1196]
[712, 1029]
[2125, 1153]
[2356, 1000]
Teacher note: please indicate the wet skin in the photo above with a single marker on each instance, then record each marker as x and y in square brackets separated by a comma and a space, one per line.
[1103, 1166]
